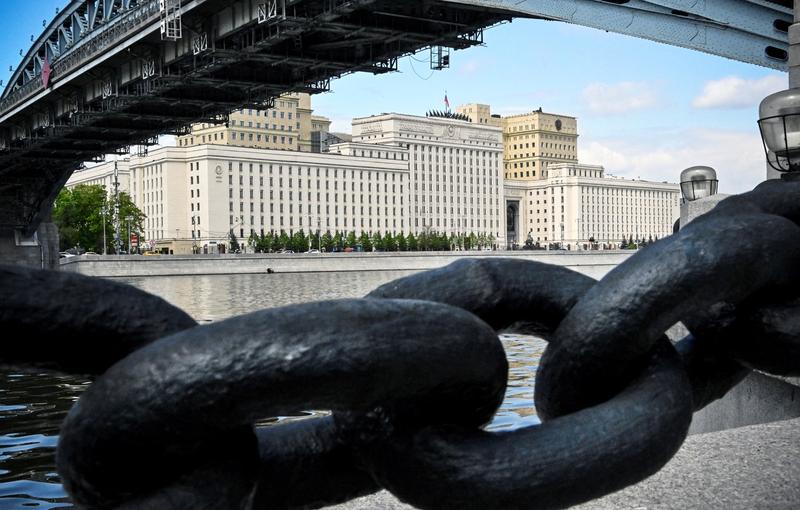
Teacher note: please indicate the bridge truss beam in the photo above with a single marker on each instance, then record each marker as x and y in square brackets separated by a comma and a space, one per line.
[751, 31]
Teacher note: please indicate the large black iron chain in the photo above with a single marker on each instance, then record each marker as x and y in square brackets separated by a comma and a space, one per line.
[411, 373]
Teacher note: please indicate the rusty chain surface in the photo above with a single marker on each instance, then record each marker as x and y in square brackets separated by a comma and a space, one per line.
[412, 372]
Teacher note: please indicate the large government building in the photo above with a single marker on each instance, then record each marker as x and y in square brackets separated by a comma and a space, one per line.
[455, 173]
[532, 142]
[578, 203]
[195, 196]
[512, 179]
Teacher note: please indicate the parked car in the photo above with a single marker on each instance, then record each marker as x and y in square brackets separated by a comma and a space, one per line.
[313, 251]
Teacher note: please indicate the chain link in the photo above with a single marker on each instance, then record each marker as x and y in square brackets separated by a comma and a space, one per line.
[172, 422]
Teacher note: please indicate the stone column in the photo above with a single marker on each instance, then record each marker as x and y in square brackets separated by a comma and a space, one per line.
[696, 208]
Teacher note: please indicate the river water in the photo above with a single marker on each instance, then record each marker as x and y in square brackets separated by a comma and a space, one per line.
[33, 404]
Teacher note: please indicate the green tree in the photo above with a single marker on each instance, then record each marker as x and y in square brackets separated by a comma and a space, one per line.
[338, 241]
[233, 241]
[265, 243]
[444, 242]
[78, 214]
[413, 244]
[389, 243]
[327, 241]
[365, 242]
[377, 240]
[283, 241]
[350, 242]
[299, 243]
[402, 244]
[422, 241]
[315, 240]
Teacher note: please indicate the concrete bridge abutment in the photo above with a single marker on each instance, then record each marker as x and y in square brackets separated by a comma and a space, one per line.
[39, 250]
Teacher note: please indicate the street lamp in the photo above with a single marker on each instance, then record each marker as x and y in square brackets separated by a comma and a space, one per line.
[129, 219]
[779, 122]
[104, 213]
[698, 182]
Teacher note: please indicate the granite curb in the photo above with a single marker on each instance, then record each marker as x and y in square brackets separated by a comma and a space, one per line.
[749, 467]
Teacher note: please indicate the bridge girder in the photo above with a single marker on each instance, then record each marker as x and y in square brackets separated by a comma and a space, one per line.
[751, 31]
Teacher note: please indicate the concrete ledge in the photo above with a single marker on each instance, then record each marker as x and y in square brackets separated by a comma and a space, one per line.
[593, 263]
[749, 467]
[759, 398]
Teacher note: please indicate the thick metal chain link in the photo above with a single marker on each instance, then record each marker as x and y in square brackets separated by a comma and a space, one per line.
[170, 422]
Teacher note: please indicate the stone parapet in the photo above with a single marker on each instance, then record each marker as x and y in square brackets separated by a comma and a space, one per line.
[592, 263]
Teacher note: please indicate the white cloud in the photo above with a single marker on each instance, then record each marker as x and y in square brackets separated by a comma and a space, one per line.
[738, 157]
[736, 92]
[470, 67]
[619, 98]
[341, 124]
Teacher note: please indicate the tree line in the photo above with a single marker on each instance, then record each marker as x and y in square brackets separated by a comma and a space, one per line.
[344, 241]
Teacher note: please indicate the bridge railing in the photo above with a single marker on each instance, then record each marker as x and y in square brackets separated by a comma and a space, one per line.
[85, 49]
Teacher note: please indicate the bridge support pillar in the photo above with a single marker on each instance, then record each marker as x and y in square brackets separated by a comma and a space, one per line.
[39, 250]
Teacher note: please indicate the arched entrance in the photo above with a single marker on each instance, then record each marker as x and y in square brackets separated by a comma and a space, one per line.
[512, 225]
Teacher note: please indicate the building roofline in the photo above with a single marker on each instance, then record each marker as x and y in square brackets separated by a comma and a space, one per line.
[406, 116]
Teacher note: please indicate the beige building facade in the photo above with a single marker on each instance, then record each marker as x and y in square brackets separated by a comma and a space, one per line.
[455, 171]
[289, 126]
[576, 203]
[103, 175]
[532, 142]
[195, 196]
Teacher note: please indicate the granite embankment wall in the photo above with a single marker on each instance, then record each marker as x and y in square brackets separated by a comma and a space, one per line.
[593, 263]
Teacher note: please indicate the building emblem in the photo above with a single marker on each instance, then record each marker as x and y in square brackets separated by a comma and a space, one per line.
[415, 127]
[218, 170]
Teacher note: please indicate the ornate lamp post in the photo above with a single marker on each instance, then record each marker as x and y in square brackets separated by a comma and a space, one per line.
[779, 123]
[698, 182]
[779, 114]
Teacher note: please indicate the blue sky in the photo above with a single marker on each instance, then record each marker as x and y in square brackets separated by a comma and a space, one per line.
[645, 109]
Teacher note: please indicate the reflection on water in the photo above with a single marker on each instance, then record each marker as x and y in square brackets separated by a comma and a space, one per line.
[216, 297]
[33, 404]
